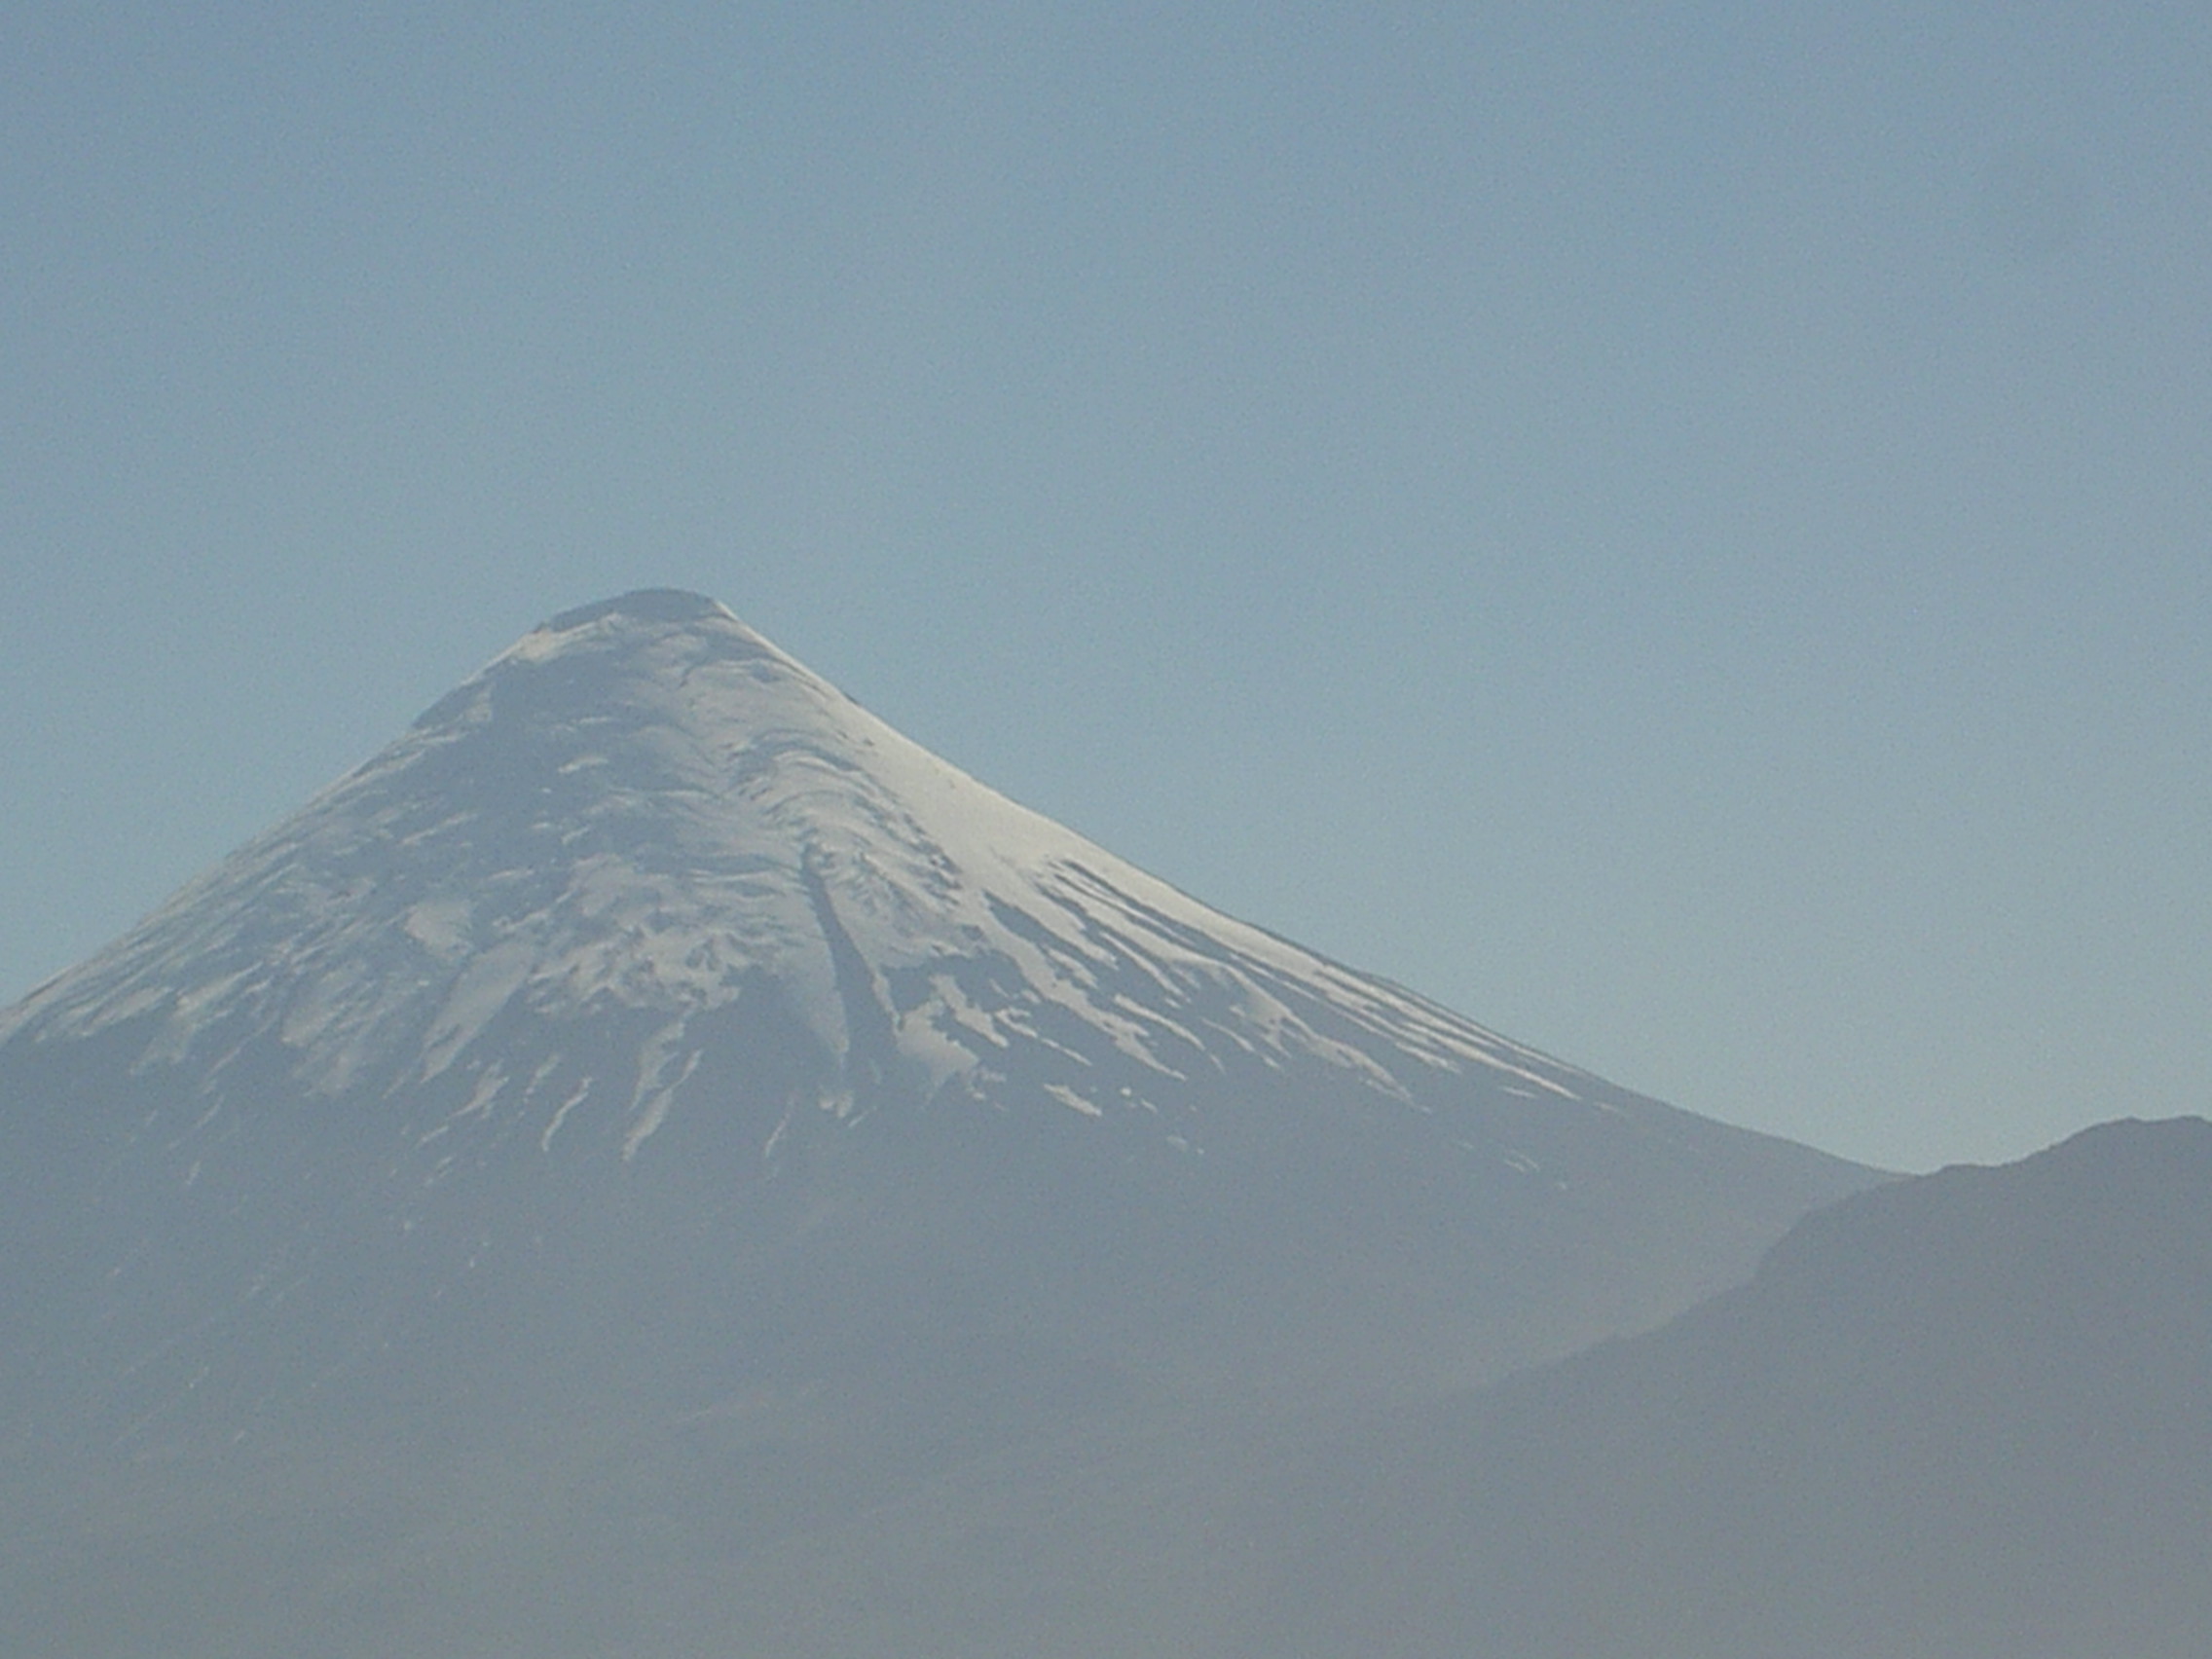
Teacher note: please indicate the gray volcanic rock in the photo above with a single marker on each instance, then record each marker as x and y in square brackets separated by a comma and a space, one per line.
[652, 1073]
[1968, 1414]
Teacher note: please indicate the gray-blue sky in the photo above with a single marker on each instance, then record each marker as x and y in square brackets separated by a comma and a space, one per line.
[1681, 531]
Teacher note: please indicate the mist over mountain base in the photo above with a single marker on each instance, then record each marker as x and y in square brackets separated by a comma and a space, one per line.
[654, 1161]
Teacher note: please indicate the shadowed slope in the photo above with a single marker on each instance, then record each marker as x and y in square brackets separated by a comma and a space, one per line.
[1962, 1416]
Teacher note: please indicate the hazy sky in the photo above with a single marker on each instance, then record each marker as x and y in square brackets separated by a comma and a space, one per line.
[1683, 531]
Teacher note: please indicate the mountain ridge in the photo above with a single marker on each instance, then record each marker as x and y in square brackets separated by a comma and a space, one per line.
[1961, 1413]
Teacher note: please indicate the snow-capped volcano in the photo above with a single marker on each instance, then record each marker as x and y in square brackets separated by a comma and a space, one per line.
[654, 1153]
[647, 933]
[644, 808]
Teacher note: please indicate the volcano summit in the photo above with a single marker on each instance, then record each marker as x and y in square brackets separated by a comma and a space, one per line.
[655, 1094]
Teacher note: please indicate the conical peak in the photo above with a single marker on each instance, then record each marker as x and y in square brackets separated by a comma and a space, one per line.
[638, 621]
[636, 657]
[644, 604]
[643, 811]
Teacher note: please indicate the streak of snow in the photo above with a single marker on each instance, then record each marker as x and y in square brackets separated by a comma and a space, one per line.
[560, 1115]
[1068, 1097]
